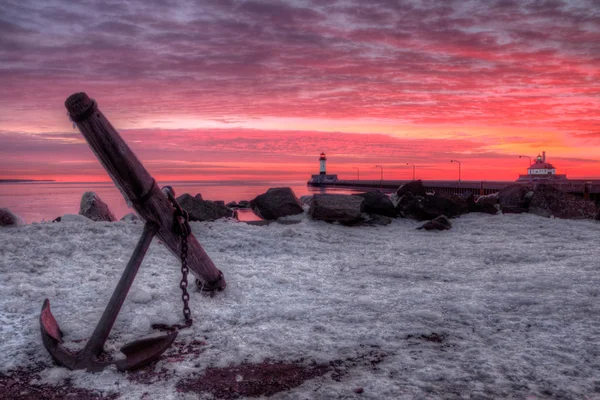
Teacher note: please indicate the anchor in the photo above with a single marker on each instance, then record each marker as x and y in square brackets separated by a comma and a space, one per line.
[138, 353]
[164, 218]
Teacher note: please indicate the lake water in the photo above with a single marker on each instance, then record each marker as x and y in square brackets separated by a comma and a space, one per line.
[44, 201]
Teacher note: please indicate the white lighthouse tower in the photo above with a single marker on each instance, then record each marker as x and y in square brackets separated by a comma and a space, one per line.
[322, 178]
[322, 164]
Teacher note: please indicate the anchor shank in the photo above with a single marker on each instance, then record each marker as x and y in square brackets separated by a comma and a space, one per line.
[96, 343]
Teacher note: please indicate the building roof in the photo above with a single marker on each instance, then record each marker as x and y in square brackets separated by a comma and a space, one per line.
[541, 165]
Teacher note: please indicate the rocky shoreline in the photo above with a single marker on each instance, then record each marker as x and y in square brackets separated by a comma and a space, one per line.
[373, 208]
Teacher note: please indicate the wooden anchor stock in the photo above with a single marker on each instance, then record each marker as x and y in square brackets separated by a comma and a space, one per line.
[137, 185]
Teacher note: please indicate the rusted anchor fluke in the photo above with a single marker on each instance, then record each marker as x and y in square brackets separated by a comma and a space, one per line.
[137, 353]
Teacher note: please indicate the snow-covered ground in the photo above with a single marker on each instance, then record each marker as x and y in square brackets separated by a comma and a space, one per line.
[502, 306]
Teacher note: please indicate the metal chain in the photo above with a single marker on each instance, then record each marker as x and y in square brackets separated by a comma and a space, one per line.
[181, 226]
[187, 314]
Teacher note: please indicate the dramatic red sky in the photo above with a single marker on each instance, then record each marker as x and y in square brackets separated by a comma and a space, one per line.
[254, 90]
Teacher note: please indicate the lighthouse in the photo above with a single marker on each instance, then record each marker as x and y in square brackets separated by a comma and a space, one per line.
[322, 178]
[322, 164]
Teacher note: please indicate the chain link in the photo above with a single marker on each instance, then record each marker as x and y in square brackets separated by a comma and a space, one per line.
[181, 226]
[187, 314]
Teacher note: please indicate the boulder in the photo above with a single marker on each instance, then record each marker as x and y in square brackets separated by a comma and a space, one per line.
[597, 217]
[514, 199]
[548, 201]
[442, 204]
[94, 208]
[198, 197]
[131, 217]
[414, 187]
[440, 223]
[8, 218]
[219, 202]
[231, 204]
[376, 202]
[307, 199]
[345, 209]
[244, 204]
[375, 220]
[409, 206]
[203, 210]
[481, 207]
[276, 203]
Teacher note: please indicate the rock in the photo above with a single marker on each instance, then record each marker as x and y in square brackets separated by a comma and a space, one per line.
[94, 208]
[231, 204]
[481, 207]
[440, 223]
[513, 198]
[378, 203]
[244, 204]
[198, 197]
[219, 202]
[131, 217]
[442, 204]
[306, 199]
[375, 220]
[547, 201]
[414, 187]
[8, 218]
[203, 210]
[430, 206]
[597, 218]
[276, 203]
[409, 206]
[345, 209]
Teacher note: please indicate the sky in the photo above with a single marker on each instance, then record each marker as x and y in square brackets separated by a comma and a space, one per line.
[256, 90]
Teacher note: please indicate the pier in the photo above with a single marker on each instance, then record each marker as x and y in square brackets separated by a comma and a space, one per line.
[589, 189]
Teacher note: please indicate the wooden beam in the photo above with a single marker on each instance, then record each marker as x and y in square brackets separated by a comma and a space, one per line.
[137, 185]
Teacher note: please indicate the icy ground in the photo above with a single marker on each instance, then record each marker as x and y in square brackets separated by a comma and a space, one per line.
[503, 306]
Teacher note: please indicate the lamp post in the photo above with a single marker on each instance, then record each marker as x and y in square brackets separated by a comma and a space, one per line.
[456, 161]
[357, 173]
[380, 166]
[413, 169]
[526, 157]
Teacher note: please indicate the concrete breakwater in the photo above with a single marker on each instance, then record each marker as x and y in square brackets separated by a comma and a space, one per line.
[589, 189]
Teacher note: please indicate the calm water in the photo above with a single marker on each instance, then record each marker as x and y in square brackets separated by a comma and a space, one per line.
[43, 201]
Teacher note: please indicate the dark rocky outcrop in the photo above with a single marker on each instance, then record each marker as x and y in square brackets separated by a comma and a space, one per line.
[414, 187]
[597, 217]
[8, 218]
[548, 201]
[431, 206]
[231, 204]
[276, 203]
[94, 208]
[479, 207]
[203, 210]
[345, 209]
[306, 199]
[376, 202]
[244, 204]
[440, 223]
[514, 198]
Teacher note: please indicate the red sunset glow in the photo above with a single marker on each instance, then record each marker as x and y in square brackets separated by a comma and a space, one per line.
[255, 90]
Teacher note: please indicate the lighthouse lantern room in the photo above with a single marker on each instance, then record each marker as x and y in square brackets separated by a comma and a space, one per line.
[322, 164]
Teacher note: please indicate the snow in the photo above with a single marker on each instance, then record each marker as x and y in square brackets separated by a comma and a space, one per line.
[517, 314]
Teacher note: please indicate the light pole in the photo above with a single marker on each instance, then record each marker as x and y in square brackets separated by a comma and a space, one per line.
[413, 169]
[380, 166]
[357, 173]
[381, 181]
[526, 157]
[456, 161]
